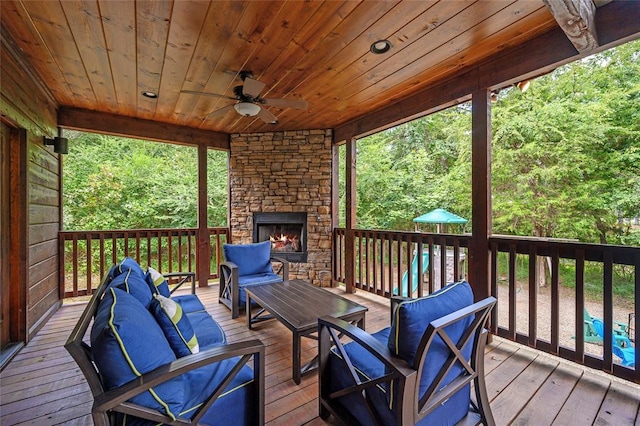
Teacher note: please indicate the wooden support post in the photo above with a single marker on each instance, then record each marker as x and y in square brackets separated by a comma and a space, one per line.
[335, 204]
[350, 260]
[480, 194]
[203, 250]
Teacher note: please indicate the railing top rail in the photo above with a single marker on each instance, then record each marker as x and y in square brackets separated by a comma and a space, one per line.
[624, 255]
[68, 235]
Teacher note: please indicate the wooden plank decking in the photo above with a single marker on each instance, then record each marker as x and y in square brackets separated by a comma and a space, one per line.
[44, 386]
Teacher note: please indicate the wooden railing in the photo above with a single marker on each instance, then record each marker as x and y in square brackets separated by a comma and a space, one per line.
[548, 318]
[594, 273]
[383, 260]
[88, 255]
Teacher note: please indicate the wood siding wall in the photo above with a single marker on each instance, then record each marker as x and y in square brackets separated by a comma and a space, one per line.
[26, 105]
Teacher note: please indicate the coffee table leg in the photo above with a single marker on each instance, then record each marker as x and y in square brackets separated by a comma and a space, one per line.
[296, 358]
[248, 310]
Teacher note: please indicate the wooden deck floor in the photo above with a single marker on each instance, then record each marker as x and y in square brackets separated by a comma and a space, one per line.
[43, 385]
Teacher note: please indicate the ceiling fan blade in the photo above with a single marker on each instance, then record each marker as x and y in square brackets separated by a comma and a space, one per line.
[286, 103]
[266, 116]
[252, 87]
[214, 95]
[219, 112]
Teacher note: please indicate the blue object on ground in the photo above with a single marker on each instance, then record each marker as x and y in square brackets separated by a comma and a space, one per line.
[627, 354]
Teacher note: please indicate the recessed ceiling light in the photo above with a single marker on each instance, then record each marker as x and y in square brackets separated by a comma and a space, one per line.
[149, 94]
[381, 46]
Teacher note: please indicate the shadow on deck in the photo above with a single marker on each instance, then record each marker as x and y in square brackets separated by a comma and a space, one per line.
[43, 385]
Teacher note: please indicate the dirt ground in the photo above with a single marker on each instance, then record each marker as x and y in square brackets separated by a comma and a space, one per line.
[567, 314]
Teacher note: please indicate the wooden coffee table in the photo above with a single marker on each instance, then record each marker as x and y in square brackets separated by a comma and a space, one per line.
[298, 305]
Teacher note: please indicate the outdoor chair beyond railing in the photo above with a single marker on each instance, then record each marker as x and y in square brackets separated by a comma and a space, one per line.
[418, 371]
[620, 331]
[247, 265]
[154, 358]
[622, 350]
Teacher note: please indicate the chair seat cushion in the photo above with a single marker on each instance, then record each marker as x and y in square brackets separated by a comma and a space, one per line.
[245, 281]
[189, 303]
[234, 407]
[251, 259]
[207, 330]
[126, 343]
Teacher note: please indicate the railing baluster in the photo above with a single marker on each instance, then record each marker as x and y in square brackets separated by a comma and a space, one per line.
[555, 302]
[533, 296]
[89, 254]
[579, 306]
[75, 265]
[513, 274]
[607, 299]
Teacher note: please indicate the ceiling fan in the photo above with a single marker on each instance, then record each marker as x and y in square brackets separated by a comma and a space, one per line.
[249, 101]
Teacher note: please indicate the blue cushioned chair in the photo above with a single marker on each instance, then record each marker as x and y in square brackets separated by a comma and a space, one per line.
[624, 351]
[247, 265]
[418, 371]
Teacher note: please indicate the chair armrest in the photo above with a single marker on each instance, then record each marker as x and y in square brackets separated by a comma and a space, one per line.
[368, 342]
[184, 277]
[114, 399]
[284, 268]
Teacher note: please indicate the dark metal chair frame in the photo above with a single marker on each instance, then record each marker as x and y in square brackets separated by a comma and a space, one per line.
[229, 289]
[412, 407]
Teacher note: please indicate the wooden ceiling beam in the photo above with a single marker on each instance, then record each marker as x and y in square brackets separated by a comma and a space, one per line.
[577, 20]
[91, 121]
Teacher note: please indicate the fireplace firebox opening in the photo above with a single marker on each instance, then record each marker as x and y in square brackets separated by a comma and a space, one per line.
[286, 231]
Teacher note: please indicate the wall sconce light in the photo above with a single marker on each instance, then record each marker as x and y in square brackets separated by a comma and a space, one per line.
[494, 96]
[523, 85]
[60, 144]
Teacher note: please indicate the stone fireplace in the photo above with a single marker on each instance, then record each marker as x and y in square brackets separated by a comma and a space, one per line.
[287, 233]
[284, 173]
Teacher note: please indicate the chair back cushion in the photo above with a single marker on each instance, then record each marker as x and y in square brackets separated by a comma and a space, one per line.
[176, 325]
[412, 317]
[127, 342]
[131, 281]
[410, 322]
[157, 282]
[251, 259]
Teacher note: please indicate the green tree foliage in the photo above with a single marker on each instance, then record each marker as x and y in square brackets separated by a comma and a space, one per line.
[409, 170]
[118, 183]
[565, 157]
[566, 152]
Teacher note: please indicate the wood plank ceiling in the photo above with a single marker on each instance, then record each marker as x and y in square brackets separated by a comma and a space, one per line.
[100, 55]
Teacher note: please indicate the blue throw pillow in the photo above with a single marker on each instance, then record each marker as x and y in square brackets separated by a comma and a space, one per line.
[251, 258]
[412, 317]
[157, 282]
[134, 284]
[128, 264]
[126, 343]
[176, 326]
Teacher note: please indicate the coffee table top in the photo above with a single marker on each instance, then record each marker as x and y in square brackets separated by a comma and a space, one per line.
[298, 304]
